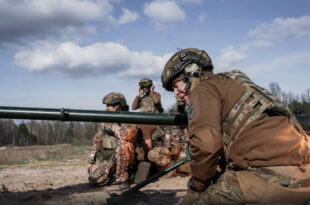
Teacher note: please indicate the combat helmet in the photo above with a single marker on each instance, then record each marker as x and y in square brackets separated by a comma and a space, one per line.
[185, 61]
[114, 98]
[145, 82]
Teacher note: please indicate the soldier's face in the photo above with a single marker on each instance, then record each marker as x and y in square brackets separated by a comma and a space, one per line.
[179, 90]
[111, 108]
[146, 89]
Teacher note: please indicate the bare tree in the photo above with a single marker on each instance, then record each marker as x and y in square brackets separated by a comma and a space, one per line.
[275, 89]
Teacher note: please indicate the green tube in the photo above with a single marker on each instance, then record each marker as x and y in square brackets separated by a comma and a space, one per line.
[63, 114]
[92, 116]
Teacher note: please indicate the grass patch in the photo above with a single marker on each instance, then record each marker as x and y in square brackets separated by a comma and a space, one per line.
[45, 154]
[21, 162]
[80, 143]
[51, 157]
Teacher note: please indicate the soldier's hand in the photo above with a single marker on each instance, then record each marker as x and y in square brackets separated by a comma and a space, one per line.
[89, 168]
[140, 92]
[153, 87]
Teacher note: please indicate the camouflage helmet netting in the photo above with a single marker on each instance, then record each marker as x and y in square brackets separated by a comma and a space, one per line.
[114, 98]
[179, 60]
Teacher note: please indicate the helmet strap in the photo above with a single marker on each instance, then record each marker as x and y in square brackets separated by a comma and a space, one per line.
[191, 80]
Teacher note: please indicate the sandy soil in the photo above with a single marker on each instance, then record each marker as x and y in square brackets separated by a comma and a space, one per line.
[65, 182]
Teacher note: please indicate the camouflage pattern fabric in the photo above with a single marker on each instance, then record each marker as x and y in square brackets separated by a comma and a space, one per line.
[125, 152]
[161, 156]
[227, 189]
[103, 155]
[248, 108]
[120, 161]
[147, 104]
[109, 142]
[145, 82]
[104, 131]
[114, 98]
[103, 175]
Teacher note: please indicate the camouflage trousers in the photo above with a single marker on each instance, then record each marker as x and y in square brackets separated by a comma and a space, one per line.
[114, 170]
[257, 186]
[125, 156]
[103, 175]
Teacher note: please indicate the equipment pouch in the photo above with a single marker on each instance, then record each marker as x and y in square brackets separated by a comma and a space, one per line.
[109, 142]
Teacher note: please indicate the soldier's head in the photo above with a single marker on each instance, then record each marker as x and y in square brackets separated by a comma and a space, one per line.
[115, 102]
[183, 68]
[145, 84]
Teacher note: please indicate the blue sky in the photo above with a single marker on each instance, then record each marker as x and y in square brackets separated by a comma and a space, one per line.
[70, 53]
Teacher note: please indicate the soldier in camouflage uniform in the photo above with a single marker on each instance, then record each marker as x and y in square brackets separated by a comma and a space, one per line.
[147, 99]
[113, 147]
[263, 152]
[150, 101]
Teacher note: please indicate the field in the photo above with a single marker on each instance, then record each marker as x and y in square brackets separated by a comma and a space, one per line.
[57, 175]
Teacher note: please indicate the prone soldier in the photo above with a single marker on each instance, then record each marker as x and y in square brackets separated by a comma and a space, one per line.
[263, 152]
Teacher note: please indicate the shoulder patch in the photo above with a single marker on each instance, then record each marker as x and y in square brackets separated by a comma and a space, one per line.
[191, 111]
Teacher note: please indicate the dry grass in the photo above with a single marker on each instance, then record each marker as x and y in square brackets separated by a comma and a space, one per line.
[50, 154]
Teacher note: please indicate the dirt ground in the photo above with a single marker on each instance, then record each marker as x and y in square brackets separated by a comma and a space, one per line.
[57, 175]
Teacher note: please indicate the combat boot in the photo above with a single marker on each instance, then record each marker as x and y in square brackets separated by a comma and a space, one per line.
[124, 186]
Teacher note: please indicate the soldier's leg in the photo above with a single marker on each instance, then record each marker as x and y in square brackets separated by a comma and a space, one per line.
[103, 174]
[125, 158]
[225, 191]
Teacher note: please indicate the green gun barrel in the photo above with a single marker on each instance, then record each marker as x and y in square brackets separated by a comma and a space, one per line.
[92, 116]
[63, 114]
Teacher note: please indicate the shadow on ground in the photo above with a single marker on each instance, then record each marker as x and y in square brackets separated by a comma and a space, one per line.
[86, 194]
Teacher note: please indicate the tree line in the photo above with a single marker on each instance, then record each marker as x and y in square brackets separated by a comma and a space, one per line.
[31, 132]
[298, 104]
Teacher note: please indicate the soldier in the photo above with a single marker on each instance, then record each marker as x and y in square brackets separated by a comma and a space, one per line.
[113, 147]
[236, 123]
[150, 101]
[147, 99]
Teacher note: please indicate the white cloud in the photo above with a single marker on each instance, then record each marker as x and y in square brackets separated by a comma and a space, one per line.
[255, 44]
[295, 60]
[228, 58]
[201, 17]
[192, 1]
[283, 28]
[42, 18]
[73, 60]
[163, 12]
[128, 16]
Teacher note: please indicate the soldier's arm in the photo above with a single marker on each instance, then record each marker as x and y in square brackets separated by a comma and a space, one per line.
[205, 134]
[130, 133]
[155, 97]
[136, 103]
[96, 144]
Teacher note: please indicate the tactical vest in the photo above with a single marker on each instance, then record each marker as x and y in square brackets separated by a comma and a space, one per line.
[250, 106]
[109, 141]
[147, 105]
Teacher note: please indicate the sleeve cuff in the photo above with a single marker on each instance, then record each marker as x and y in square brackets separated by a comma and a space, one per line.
[200, 186]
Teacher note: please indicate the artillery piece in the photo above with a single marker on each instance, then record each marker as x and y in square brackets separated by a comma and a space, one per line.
[114, 117]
